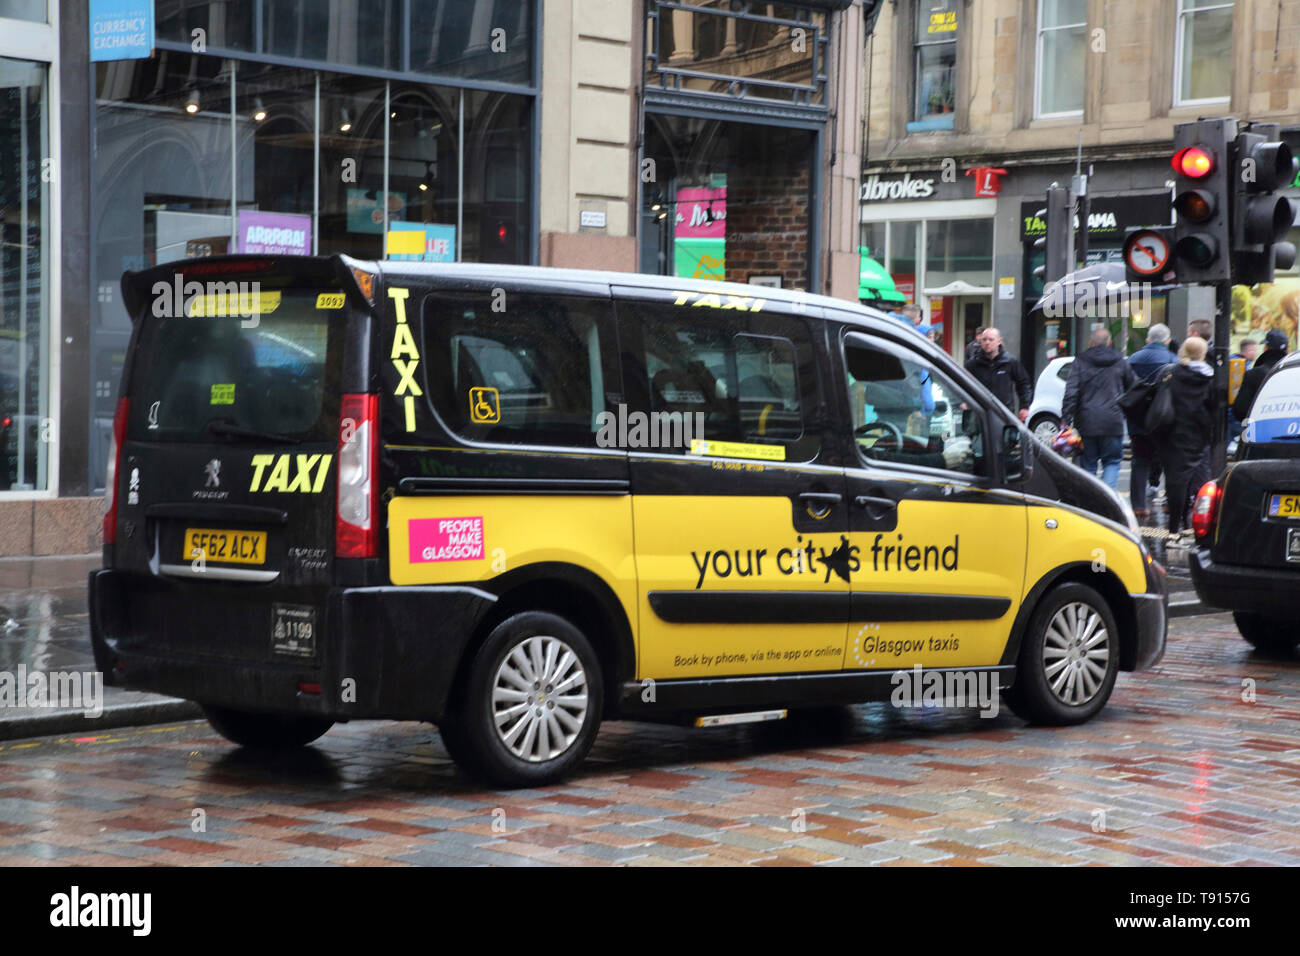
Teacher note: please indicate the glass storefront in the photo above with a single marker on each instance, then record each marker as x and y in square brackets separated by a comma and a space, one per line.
[730, 201]
[945, 266]
[199, 154]
[26, 432]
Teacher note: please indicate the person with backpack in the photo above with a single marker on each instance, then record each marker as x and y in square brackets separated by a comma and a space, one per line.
[1098, 377]
[1183, 441]
[1145, 363]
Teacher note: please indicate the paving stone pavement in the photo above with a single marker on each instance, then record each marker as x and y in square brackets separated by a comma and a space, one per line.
[1179, 770]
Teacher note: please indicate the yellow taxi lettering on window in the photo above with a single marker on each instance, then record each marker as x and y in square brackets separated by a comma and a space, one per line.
[712, 300]
[405, 357]
[297, 474]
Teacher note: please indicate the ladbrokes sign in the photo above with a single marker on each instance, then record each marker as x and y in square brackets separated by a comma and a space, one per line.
[875, 188]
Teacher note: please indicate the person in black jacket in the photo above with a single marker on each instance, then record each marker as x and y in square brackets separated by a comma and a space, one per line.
[1098, 377]
[1001, 373]
[1145, 363]
[1184, 446]
[1275, 346]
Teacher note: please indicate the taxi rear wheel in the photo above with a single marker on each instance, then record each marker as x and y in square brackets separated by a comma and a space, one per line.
[265, 731]
[1069, 658]
[532, 703]
[1270, 635]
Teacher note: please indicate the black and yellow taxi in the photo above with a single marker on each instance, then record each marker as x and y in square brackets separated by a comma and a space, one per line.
[515, 501]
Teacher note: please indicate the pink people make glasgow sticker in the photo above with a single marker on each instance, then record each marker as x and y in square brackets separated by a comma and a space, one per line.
[445, 539]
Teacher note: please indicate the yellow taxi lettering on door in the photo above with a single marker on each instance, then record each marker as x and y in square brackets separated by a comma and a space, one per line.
[405, 357]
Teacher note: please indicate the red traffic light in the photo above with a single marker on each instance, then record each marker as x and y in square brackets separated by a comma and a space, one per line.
[503, 232]
[1194, 161]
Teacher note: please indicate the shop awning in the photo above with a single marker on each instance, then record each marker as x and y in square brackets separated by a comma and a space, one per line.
[875, 283]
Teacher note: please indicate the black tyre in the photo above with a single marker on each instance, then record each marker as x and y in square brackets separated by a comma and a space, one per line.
[531, 707]
[1069, 657]
[265, 731]
[1267, 634]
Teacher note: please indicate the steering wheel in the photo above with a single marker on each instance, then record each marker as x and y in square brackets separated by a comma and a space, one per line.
[889, 428]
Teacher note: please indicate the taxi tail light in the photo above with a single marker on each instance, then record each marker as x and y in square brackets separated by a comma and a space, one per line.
[356, 526]
[1206, 510]
[110, 478]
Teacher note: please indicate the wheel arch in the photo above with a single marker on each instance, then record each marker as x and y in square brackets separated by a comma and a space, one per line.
[1105, 582]
[574, 593]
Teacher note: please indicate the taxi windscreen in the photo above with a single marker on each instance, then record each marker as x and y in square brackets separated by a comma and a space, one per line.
[263, 366]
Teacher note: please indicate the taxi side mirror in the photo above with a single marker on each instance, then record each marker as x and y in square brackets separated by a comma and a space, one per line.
[1016, 456]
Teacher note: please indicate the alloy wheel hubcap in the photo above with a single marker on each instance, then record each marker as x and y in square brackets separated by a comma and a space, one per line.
[539, 699]
[1076, 653]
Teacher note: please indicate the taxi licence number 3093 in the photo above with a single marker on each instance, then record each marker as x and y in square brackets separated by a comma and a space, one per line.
[514, 502]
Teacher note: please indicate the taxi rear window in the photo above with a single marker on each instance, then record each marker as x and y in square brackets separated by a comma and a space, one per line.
[225, 368]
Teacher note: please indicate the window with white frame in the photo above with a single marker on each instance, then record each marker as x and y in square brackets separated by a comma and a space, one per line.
[1203, 51]
[935, 65]
[1062, 29]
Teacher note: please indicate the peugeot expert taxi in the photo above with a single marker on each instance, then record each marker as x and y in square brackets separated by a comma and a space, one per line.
[515, 501]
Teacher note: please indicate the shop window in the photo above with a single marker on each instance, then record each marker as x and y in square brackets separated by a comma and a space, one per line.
[958, 250]
[1062, 25]
[1203, 53]
[165, 189]
[225, 24]
[474, 38]
[935, 65]
[730, 201]
[341, 32]
[752, 50]
[24, 302]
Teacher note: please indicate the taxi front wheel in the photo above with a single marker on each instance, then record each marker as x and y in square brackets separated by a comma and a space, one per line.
[265, 731]
[1069, 657]
[531, 708]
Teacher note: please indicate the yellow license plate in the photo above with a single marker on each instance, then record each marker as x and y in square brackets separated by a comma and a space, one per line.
[228, 547]
[1284, 506]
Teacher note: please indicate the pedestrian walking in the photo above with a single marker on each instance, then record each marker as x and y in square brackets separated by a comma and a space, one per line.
[1184, 446]
[1275, 346]
[1098, 377]
[1145, 362]
[1001, 373]
[1248, 350]
[973, 346]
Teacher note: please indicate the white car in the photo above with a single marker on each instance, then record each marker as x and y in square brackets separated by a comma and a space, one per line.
[1049, 393]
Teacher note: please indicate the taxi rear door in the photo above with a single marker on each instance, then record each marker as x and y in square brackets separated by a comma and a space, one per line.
[742, 559]
[941, 546]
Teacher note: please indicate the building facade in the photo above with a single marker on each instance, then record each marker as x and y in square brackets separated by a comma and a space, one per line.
[704, 138]
[975, 107]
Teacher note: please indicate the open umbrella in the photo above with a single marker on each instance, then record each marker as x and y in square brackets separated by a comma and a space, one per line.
[1100, 288]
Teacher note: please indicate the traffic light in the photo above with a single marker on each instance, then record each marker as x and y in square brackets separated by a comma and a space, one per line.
[1261, 219]
[1201, 200]
[1056, 243]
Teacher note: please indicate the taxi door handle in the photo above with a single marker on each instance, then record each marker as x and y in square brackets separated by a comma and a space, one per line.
[870, 501]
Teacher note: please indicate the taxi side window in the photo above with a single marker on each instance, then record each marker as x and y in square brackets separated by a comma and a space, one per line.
[905, 412]
[726, 379]
[531, 373]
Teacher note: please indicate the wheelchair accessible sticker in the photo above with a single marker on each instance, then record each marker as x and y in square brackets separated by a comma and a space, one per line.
[445, 539]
